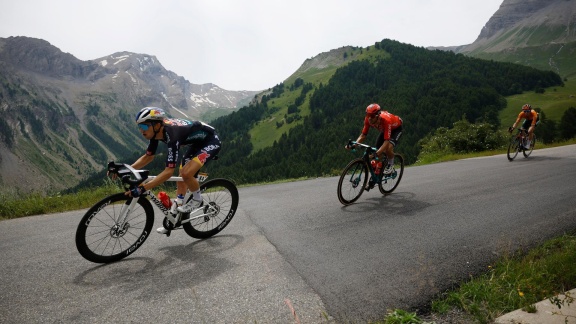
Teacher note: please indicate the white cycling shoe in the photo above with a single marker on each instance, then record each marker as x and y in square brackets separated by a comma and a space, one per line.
[388, 169]
[162, 230]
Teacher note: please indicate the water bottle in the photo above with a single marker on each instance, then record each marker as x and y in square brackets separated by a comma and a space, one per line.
[376, 165]
[165, 199]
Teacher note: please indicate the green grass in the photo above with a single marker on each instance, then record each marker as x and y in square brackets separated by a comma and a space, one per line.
[15, 205]
[553, 102]
[264, 133]
[513, 282]
[516, 282]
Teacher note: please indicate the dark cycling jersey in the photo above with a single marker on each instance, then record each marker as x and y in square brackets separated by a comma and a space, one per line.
[201, 137]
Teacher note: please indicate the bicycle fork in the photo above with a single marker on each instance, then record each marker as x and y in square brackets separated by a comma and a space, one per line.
[122, 225]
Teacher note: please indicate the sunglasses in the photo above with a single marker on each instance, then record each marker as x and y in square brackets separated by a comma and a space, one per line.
[144, 127]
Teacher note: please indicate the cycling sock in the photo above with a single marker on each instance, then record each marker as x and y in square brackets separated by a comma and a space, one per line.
[391, 161]
[196, 195]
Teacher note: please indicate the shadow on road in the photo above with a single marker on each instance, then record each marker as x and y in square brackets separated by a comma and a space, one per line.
[180, 266]
[397, 203]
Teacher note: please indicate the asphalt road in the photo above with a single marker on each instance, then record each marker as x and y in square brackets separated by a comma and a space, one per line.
[293, 252]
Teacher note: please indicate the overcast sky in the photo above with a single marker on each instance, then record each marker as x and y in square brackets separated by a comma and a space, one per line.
[240, 44]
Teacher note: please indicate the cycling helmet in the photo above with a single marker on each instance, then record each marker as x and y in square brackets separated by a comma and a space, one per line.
[526, 107]
[372, 109]
[150, 114]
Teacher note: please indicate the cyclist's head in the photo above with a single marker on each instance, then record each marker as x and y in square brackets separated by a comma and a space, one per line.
[150, 114]
[526, 108]
[372, 110]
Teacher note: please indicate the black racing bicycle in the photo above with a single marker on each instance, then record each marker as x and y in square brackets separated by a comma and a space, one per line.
[518, 144]
[359, 176]
[118, 225]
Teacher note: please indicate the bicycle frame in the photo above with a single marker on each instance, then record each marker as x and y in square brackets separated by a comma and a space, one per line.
[366, 157]
[174, 220]
[354, 178]
[522, 135]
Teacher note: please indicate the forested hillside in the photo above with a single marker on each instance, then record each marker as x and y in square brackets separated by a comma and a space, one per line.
[428, 89]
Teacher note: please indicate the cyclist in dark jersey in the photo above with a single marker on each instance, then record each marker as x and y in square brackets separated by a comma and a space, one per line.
[203, 145]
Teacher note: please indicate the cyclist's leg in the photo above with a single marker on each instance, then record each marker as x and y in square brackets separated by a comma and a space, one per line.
[194, 159]
[391, 144]
[526, 125]
[379, 142]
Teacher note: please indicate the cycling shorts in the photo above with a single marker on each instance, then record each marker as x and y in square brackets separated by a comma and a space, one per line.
[203, 152]
[394, 137]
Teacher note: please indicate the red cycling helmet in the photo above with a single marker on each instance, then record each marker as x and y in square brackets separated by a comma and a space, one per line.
[372, 109]
[526, 108]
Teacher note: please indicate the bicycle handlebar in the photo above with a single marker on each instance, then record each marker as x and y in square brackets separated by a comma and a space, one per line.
[354, 143]
[125, 171]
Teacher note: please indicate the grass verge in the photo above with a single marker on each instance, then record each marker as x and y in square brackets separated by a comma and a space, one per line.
[514, 282]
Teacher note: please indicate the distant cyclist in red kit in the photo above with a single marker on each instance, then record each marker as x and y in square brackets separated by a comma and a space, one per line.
[390, 127]
[531, 119]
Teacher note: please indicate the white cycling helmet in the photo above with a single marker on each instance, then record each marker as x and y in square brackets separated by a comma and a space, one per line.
[147, 114]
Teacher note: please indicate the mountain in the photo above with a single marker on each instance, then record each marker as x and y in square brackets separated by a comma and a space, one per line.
[537, 33]
[63, 118]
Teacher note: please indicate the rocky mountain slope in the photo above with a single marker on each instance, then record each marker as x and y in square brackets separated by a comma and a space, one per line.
[537, 33]
[63, 118]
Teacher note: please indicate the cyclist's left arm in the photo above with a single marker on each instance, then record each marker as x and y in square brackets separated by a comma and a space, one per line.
[160, 178]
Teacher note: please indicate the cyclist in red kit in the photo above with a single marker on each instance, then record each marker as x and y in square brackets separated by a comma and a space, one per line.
[390, 127]
[531, 119]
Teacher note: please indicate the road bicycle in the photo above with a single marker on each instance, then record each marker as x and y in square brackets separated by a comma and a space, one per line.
[355, 177]
[118, 225]
[518, 143]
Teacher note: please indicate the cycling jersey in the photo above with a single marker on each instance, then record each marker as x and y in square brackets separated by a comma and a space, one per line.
[201, 137]
[533, 117]
[386, 124]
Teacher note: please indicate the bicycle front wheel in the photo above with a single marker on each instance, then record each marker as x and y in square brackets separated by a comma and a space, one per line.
[513, 148]
[352, 181]
[391, 181]
[103, 237]
[529, 151]
[220, 198]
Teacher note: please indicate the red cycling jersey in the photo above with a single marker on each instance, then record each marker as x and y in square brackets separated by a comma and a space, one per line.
[386, 123]
[533, 117]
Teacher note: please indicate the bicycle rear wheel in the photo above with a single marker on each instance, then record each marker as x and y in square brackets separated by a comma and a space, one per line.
[101, 238]
[529, 151]
[391, 181]
[352, 181]
[220, 203]
[513, 148]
